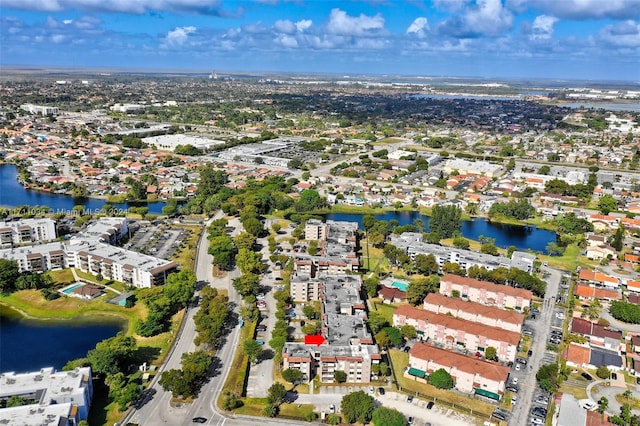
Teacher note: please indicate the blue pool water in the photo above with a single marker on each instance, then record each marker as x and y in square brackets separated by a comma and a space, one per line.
[399, 285]
[68, 290]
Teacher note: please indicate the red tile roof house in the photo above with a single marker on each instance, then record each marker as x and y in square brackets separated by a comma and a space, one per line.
[476, 312]
[470, 375]
[598, 335]
[577, 355]
[589, 292]
[392, 295]
[486, 292]
[598, 278]
[451, 332]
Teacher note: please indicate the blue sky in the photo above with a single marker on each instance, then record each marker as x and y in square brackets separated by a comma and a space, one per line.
[560, 39]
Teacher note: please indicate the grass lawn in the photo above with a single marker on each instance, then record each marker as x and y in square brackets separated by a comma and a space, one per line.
[568, 261]
[254, 406]
[578, 390]
[31, 304]
[400, 360]
[386, 310]
[240, 365]
[635, 402]
[376, 259]
[387, 141]
[62, 276]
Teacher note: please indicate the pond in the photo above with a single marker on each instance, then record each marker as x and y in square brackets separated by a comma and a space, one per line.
[522, 237]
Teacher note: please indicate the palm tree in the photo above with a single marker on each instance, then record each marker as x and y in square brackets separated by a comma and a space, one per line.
[603, 404]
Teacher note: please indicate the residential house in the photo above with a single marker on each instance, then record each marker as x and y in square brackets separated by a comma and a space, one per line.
[486, 292]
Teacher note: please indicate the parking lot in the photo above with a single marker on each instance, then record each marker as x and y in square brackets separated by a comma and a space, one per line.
[160, 240]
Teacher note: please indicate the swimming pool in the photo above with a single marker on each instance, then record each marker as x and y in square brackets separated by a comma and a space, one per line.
[400, 285]
[69, 290]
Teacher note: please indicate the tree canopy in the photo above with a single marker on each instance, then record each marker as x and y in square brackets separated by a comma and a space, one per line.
[357, 407]
[445, 221]
[383, 416]
[441, 379]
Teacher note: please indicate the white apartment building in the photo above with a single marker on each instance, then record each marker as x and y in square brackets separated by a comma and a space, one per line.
[48, 388]
[27, 231]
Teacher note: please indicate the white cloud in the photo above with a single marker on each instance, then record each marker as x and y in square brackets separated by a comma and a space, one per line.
[178, 36]
[205, 7]
[542, 27]
[623, 34]
[58, 38]
[419, 26]
[304, 24]
[287, 41]
[580, 9]
[285, 26]
[485, 18]
[342, 24]
[67, 21]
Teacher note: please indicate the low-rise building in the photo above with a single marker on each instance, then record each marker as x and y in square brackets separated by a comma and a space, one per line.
[510, 320]
[33, 415]
[455, 333]
[470, 375]
[486, 292]
[47, 388]
[27, 231]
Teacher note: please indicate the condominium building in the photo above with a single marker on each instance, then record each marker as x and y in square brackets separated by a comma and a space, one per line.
[486, 292]
[455, 333]
[91, 251]
[470, 374]
[33, 415]
[40, 109]
[27, 231]
[349, 345]
[413, 244]
[493, 316]
[47, 388]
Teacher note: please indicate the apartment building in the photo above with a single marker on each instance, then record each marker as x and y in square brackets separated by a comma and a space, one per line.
[91, 251]
[485, 292]
[470, 375]
[475, 312]
[349, 345]
[48, 388]
[413, 244]
[454, 333]
[27, 231]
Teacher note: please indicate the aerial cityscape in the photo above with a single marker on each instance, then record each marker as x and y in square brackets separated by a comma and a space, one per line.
[365, 212]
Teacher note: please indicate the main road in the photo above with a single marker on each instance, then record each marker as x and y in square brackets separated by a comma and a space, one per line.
[158, 410]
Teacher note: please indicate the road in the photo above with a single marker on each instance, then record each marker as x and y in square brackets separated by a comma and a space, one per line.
[542, 330]
[157, 410]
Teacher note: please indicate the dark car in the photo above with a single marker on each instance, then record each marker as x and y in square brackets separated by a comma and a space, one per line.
[410, 420]
[614, 376]
[587, 376]
[381, 391]
[198, 420]
[261, 327]
[499, 415]
[406, 349]
[430, 405]
[410, 398]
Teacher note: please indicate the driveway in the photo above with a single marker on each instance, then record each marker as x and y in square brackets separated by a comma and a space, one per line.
[602, 388]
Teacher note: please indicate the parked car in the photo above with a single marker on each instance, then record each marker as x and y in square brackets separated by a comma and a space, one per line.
[332, 408]
[261, 327]
[499, 415]
[410, 421]
[430, 405]
[410, 398]
[198, 420]
[381, 391]
[586, 376]
[260, 341]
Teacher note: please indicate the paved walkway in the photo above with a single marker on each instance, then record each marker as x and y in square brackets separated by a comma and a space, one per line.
[619, 325]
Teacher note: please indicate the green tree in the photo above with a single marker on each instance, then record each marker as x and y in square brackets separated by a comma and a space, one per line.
[603, 372]
[252, 349]
[419, 287]
[607, 204]
[16, 401]
[9, 273]
[245, 241]
[247, 284]
[547, 377]
[461, 242]
[426, 264]
[276, 394]
[250, 262]
[110, 356]
[626, 312]
[603, 404]
[617, 241]
[491, 353]
[174, 381]
[339, 376]
[270, 410]
[445, 221]
[309, 312]
[394, 335]
[357, 407]
[230, 401]
[408, 331]
[377, 322]
[371, 286]
[441, 379]
[383, 416]
[292, 375]
[253, 226]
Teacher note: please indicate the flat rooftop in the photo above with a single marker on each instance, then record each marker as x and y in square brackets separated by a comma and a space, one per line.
[47, 383]
[37, 415]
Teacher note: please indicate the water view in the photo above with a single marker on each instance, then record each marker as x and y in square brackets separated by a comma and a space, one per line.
[28, 345]
[13, 194]
[522, 237]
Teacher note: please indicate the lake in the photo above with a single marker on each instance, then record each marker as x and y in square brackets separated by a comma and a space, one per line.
[13, 194]
[522, 237]
[29, 345]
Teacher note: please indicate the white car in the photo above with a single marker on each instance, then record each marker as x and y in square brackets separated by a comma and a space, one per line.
[537, 421]
[514, 380]
[332, 408]
[517, 367]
